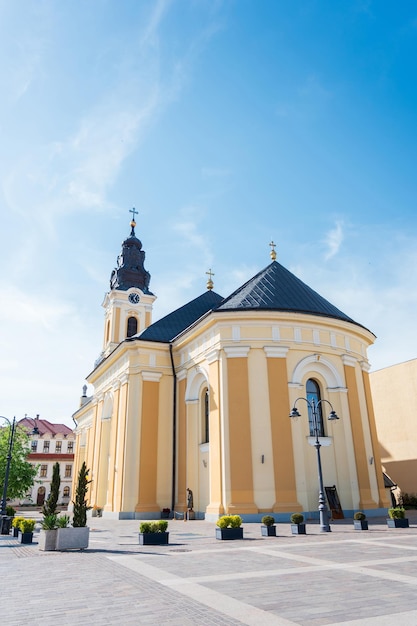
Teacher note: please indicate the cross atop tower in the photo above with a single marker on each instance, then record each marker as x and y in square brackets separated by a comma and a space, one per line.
[133, 212]
[273, 253]
[210, 283]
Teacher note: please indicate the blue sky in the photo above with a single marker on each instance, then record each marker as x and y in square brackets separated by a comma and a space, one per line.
[225, 123]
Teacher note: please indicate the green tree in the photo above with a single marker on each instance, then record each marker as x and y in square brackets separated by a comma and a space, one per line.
[49, 508]
[80, 503]
[22, 473]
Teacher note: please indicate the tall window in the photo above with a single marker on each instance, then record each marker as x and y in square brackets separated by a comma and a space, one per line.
[313, 394]
[46, 446]
[132, 326]
[43, 471]
[70, 446]
[68, 471]
[205, 421]
[66, 492]
[58, 446]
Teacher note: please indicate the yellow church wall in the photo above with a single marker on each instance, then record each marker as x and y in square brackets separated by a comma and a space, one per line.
[192, 428]
[130, 467]
[394, 396]
[182, 451]
[239, 492]
[359, 443]
[148, 447]
[260, 431]
[119, 447]
[165, 417]
[113, 434]
[285, 496]
[216, 458]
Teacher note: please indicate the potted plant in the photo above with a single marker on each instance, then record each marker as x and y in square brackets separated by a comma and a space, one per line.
[16, 525]
[297, 524]
[76, 537]
[397, 518]
[47, 536]
[153, 533]
[268, 528]
[229, 527]
[26, 527]
[359, 521]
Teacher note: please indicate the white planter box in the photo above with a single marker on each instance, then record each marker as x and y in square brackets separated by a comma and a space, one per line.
[72, 538]
[47, 540]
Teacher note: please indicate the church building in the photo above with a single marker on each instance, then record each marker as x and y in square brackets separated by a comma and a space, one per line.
[201, 398]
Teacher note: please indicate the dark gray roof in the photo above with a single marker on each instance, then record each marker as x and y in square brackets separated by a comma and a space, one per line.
[277, 289]
[168, 327]
[274, 288]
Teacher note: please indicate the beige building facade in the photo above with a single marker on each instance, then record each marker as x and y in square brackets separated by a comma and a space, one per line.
[201, 400]
[394, 392]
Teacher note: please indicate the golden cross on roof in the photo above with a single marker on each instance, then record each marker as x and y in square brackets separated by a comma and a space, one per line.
[210, 283]
[273, 253]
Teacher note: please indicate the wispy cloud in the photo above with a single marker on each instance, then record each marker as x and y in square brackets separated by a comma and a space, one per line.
[334, 240]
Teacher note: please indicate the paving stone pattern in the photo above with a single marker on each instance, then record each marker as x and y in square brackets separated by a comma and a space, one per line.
[354, 578]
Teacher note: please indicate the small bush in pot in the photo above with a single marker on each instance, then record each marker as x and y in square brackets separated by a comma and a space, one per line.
[297, 524]
[359, 521]
[26, 528]
[397, 518]
[153, 533]
[396, 512]
[16, 525]
[268, 529]
[229, 527]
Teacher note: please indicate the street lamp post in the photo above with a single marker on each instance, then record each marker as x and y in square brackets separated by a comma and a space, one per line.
[4, 525]
[315, 412]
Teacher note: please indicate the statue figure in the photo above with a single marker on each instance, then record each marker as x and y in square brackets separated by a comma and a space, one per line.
[190, 500]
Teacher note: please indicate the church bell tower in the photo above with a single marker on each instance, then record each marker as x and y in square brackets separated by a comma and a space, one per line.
[128, 304]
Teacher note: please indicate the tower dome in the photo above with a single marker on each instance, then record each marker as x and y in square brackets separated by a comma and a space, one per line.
[130, 271]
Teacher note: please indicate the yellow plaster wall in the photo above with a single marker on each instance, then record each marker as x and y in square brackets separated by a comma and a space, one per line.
[260, 431]
[285, 497]
[215, 452]
[164, 478]
[366, 500]
[120, 440]
[181, 448]
[148, 449]
[240, 499]
[132, 443]
[394, 395]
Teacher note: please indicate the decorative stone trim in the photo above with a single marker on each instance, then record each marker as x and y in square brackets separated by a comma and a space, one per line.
[212, 356]
[236, 352]
[275, 352]
[365, 365]
[152, 377]
[349, 360]
[236, 333]
[181, 374]
[276, 334]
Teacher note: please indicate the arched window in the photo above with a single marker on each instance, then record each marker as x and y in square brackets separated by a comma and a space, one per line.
[132, 326]
[313, 396]
[205, 433]
[66, 492]
[108, 331]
